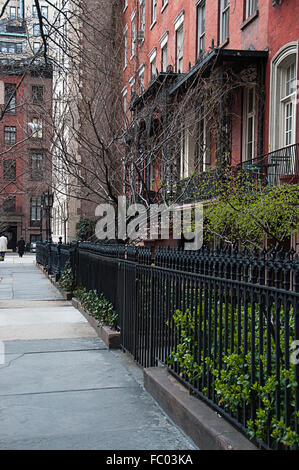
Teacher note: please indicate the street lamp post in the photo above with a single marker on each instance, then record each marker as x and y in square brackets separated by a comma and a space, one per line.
[47, 202]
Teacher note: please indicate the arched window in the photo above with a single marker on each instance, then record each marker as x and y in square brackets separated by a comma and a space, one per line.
[283, 98]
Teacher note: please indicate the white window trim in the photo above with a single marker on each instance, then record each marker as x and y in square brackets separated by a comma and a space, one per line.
[153, 17]
[164, 39]
[222, 12]
[200, 4]
[274, 113]
[179, 20]
[152, 55]
[133, 21]
[125, 32]
[246, 116]
[164, 6]
[133, 14]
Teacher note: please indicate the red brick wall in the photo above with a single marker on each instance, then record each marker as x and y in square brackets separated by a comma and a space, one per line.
[270, 29]
[25, 187]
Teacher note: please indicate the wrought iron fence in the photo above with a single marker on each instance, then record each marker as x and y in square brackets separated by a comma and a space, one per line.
[275, 168]
[222, 321]
[55, 256]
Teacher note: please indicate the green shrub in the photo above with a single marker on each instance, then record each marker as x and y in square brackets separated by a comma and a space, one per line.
[97, 306]
[231, 377]
[66, 279]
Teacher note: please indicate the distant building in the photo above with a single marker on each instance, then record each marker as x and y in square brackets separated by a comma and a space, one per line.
[25, 129]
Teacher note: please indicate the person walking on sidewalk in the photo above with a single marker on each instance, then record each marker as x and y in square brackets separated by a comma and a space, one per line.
[3, 247]
[21, 246]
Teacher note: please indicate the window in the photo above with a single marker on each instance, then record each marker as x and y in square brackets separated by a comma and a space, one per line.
[12, 13]
[125, 4]
[10, 98]
[249, 124]
[36, 47]
[37, 93]
[44, 12]
[164, 4]
[37, 128]
[164, 51]
[9, 204]
[35, 237]
[250, 8]
[164, 58]
[142, 15]
[35, 211]
[188, 141]
[224, 20]
[141, 79]
[46, 29]
[204, 141]
[282, 131]
[34, 12]
[36, 30]
[179, 49]
[36, 166]
[154, 11]
[9, 170]
[153, 64]
[133, 38]
[153, 68]
[11, 47]
[132, 86]
[126, 47]
[288, 102]
[125, 101]
[10, 135]
[201, 26]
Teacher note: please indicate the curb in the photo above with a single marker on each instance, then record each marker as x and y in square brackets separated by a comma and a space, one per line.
[207, 429]
[110, 337]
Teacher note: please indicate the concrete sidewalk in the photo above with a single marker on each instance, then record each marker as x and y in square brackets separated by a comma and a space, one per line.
[60, 387]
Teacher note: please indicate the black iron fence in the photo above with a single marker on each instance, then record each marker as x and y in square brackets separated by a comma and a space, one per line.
[55, 256]
[275, 168]
[224, 322]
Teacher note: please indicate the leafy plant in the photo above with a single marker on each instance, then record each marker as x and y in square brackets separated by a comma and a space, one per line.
[66, 279]
[235, 375]
[245, 211]
[97, 306]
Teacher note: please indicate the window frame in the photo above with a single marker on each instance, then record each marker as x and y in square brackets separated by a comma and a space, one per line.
[284, 57]
[12, 98]
[10, 174]
[179, 51]
[133, 34]
[200, 34]
[36, 210]
[250, 8]
[224, 13]
[153, 12]
[249, 115]
[36, 95]
[9, 132]
[36, 170]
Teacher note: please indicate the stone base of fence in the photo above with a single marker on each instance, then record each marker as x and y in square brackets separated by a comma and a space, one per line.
[207, 429]
[110, 337]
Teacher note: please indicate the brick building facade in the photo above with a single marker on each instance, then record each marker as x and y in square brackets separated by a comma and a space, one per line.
[25, 170]
[229, 69]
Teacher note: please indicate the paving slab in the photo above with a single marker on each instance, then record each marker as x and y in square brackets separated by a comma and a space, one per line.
[118, 419]
[60, 387]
